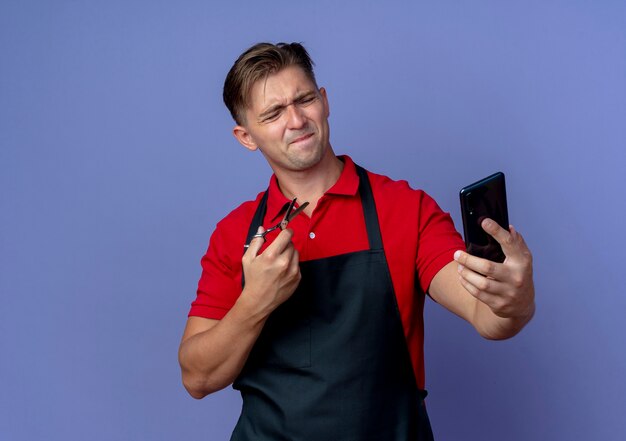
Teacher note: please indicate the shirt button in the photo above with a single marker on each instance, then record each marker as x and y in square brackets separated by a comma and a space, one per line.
[312, 235]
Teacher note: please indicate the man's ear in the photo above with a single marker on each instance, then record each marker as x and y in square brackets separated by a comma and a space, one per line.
[244, 138]
[325, 101]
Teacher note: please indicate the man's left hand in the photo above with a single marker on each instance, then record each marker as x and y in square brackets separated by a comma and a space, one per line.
[507, 287]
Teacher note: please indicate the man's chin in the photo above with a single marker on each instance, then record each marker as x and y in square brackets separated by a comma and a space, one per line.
[305, 160]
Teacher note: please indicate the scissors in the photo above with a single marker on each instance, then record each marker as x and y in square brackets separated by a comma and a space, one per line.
[289, 214]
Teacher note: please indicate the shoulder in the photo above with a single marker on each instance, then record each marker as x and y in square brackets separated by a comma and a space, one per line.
[395, 193]
[234, 226]
[401, 206]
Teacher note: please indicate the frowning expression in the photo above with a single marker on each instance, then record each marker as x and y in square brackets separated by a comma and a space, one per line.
[287, 120]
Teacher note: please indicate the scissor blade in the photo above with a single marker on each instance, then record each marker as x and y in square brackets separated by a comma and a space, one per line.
[284, 209]
[296, 212]
[288, 213]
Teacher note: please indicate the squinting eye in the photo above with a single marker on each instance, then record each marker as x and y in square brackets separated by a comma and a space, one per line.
[271, 117]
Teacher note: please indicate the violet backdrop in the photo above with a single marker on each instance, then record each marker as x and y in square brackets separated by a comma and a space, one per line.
[116, 162]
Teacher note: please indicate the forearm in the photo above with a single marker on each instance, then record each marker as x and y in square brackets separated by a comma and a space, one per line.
[212, 359]
[503, 319]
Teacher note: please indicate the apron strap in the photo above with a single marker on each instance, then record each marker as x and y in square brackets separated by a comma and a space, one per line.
[369, 210]
[257, 220]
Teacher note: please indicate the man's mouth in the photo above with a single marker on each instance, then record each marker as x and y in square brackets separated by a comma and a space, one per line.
[301, 138]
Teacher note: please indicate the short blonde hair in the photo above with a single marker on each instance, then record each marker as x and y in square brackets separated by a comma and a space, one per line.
[256, 63]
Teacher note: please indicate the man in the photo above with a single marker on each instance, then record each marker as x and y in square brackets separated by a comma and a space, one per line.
[320, 325]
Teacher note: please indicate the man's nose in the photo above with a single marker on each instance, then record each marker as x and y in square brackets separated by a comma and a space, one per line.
[295, 117]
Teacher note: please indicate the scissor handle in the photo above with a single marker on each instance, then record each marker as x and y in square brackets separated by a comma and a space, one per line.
[289, 215]
[261, 235]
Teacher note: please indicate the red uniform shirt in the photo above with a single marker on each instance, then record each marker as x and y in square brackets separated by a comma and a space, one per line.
[418, 237]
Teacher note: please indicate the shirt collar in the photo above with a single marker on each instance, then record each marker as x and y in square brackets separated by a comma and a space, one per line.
[346, 185]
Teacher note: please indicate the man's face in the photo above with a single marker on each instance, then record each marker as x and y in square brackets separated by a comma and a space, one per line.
[287, 120]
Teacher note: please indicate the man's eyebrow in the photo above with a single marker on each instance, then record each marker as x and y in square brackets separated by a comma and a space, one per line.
[275, 107]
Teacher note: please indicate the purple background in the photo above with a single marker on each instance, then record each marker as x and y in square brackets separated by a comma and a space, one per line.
[116, 161]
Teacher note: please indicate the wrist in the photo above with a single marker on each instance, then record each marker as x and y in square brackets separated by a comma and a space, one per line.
[494, 326]
[250, 309]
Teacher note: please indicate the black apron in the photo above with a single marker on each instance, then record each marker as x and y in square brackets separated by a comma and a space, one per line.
[332, 363]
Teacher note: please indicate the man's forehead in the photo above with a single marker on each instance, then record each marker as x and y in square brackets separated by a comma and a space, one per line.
[279, 86]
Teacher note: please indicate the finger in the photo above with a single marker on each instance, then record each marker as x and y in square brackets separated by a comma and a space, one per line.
[474, 292]
[494, 302]
[511, 241]
[255, 244]
[517, 237]
[294, 266]
[281, 242]
[482, 266]
[501, 235]
[482, 284]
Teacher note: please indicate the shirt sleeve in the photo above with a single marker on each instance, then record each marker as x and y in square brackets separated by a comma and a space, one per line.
[220, 282]
[437, 241]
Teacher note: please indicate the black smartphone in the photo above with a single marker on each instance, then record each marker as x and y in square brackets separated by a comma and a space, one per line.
[482, 199]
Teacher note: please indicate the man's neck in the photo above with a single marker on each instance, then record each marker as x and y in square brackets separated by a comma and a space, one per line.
[310, 185]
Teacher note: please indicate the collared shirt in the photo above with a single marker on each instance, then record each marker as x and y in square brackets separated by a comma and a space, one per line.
[418, 237]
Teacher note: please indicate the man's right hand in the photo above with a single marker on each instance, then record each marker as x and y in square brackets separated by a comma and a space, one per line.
[213, 352]
[272, 276]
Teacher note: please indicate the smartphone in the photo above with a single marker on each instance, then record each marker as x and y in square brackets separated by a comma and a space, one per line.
[482, 199]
